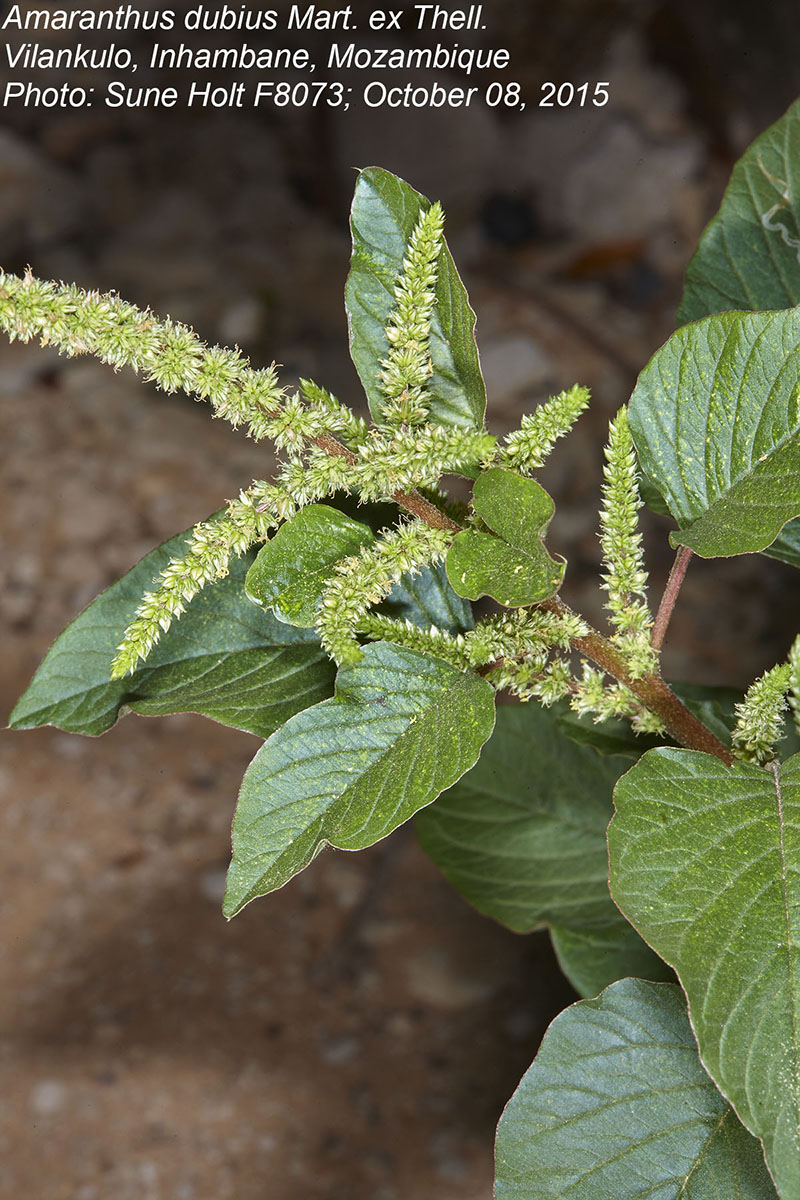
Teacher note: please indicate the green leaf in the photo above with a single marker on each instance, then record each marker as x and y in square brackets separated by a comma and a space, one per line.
[401, 728]
[705, 861]
[741, 263]
[748, 257]
[224, 658]
[715, 417]
[523, 836]
[513, 568]
[384, 215]
[786, 547]
[591, 959]
[292, 569]
[426, 598]
[618, 1107]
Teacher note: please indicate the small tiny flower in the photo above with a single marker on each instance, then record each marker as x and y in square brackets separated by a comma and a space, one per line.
[760, 716]
[408, 366]
[527, 448]
[365, 579]
[625, 575]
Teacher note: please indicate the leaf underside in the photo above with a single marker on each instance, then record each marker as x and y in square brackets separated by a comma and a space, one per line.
[401, 728]
[225, 658]
[617, 1106]
[384, 215]
[705, 861]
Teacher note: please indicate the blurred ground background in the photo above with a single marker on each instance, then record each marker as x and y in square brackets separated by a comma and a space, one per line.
[355, 1036]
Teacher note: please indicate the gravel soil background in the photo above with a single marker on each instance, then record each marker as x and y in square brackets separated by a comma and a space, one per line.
[354, 1036]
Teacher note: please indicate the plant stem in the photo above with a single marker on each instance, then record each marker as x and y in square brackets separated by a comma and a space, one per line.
[673, 587]
[412, 502]
[655, 695]
[653, 692]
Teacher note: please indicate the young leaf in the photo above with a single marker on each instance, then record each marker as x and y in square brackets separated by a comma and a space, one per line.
[513, 568]
[591, 959]
[523, 836]
[384, 215]
[292, 569]
[715, 417]
[618, 1107]
[705, 861]
[749, 256]
[224, 659]
[401, 728]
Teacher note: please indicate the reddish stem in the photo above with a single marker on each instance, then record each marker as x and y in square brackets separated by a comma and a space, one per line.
[651, 690]
[673, 587]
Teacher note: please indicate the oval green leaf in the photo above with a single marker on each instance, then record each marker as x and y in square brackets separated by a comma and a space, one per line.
[523, 836]
[618, 1107]
[514, 568]
[384, 215]
[749, 256]
[224, 658]
[705, 861]
[715, 417]
[291, 571]
[401, 728]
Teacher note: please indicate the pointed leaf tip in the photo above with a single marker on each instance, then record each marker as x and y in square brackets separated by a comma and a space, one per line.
[385, 213]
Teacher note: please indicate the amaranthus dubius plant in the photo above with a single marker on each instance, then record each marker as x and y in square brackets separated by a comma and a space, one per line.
[342, 632]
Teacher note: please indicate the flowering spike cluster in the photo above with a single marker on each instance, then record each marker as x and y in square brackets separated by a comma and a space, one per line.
[402, 459]
[408, 366]
[170, 355]
[367, 578]
[527, 448]
[435, 641]
[760, 715]
[304, 417]
[388, 462]
[210, 549]
[593, 696]
[165, 352]
[342, 420]
[519, 632]
[625, 576]
[518, 645]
